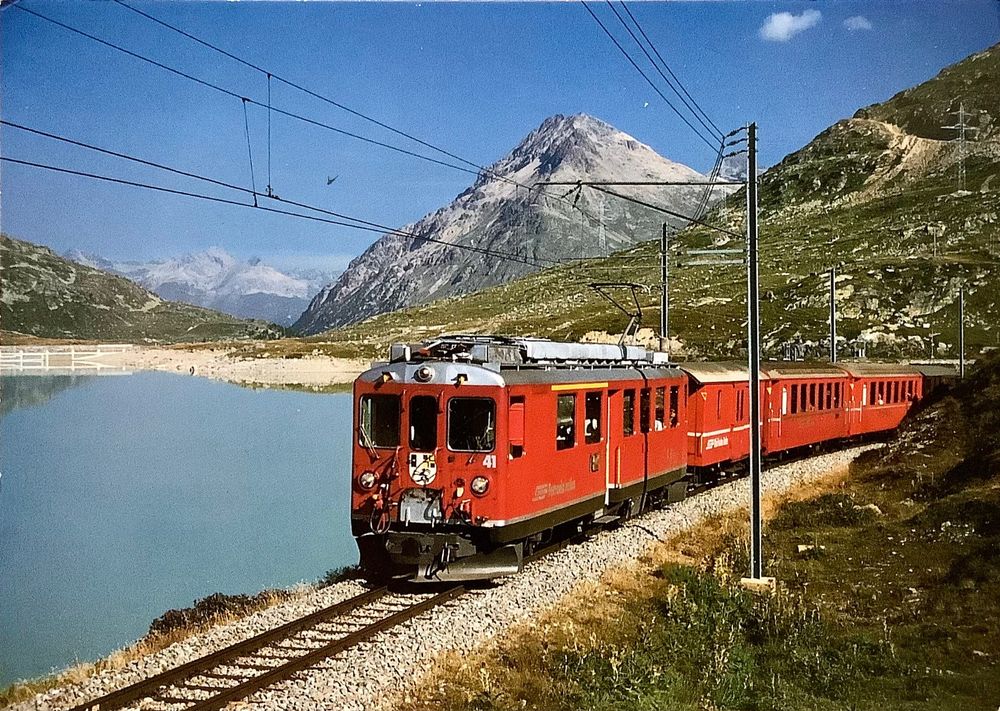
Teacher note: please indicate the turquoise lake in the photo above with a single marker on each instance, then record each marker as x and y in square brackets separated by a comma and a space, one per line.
[124, 496]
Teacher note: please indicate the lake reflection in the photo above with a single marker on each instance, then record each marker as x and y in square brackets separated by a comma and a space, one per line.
[125, 496]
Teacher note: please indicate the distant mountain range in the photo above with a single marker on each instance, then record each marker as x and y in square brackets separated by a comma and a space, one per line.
[505, 212]
[49, 296]
[217, 280]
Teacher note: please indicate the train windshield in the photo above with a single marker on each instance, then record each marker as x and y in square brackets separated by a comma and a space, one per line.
[471, 424]
[423, 423]
[379, 421]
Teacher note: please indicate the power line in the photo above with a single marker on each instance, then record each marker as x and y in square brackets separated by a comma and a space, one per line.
[236, 203]
[716, 133]
[669, 70]
[666, 211]
[643, 74]
[479, 169]
[235, 95]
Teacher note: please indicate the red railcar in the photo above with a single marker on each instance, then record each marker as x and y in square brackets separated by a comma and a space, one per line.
[806, 403]
[467, 449]
[718, 413]
[881, 395]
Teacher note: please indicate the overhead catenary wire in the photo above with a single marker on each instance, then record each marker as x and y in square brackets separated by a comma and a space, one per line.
[712, 130]
[649, 81]
[479, 169]
[667, 211]
[246, 124]
[669, 70]
[357, 224]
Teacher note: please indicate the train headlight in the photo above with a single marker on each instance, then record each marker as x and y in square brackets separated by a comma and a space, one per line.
[367, 480]
[424, 374]
[480, 485]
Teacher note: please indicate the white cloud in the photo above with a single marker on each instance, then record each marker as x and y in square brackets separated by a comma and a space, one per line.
[858, 22]
[782, 26]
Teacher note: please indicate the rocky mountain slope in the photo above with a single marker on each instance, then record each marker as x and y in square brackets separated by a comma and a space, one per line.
[43, 294]
[500, 213]
[217, 280]
[876, 194]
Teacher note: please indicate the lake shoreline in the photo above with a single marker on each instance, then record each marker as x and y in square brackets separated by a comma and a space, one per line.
[222, 363]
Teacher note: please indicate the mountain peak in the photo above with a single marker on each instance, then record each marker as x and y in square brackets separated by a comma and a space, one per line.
[505, 212]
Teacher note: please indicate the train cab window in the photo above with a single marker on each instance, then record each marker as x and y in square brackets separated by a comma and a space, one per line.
[379, 421]
[644, 402]
[660, 416]
[628, 413]
[592, 421]
[675, 416]
[565, 421]
[795, 398]
[471, 424]
[423, 423]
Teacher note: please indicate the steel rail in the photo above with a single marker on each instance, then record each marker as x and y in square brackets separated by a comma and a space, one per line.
[241, 691]
[141, 689]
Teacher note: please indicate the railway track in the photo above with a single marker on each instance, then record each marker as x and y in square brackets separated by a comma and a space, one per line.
[235, 672]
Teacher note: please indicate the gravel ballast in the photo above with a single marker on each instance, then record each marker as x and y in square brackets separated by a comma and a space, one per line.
[367, 677]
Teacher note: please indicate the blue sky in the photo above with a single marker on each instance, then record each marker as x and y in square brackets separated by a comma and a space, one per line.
[473, 78]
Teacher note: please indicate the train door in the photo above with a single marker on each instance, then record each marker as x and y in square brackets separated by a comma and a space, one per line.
[595, 434]
[613, 442]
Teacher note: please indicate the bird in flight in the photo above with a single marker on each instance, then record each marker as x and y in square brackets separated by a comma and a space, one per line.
[331, 181]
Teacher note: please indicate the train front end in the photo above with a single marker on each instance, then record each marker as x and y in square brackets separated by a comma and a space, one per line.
[426, 472]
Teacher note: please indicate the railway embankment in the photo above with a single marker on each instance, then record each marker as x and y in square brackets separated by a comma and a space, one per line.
[382, 672]
[888, 582]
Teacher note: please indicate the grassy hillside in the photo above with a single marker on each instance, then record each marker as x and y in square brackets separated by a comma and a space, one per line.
[44, 295]
[867, 194]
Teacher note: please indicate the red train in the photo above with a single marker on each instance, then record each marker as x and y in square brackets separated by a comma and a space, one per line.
[470, 451]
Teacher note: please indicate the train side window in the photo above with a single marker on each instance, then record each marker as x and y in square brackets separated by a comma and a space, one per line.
[644, 410]
[628, 413]
[472, 424]
[836, 396]
[795, 398]
[565, 421]
[829, 396]
[423, 423]
[812, 396]
[895, 392]
[379, 426]
[739, 406]
[872, 395]
[675, 416]
[803, 392]
[881, 393]
[660, 416]
[592, 415]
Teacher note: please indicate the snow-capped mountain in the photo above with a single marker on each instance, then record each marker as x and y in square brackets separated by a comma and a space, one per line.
[218, 280]
[503, 212]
